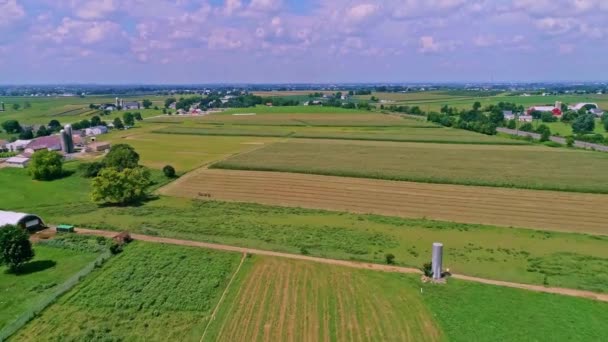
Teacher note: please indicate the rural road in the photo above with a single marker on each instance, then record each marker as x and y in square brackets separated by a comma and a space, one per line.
[360, 265]
[559, 140]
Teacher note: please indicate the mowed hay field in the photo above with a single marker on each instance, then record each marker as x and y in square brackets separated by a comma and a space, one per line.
[148, 292]
[569, 212]
[277, 299]
[532, 167]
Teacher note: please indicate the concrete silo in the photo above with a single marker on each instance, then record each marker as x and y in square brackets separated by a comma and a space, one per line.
[67, 140]
[437, 260]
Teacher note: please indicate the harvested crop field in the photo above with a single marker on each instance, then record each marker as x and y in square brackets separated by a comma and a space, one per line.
[548, 210]
[528, 167]
[285, 300]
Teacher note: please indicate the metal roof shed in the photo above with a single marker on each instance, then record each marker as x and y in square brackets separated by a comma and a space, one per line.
[23, 220]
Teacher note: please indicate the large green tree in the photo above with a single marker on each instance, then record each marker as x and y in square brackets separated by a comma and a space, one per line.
[15, 247]
[584, 124]
[118, 123]
[46, 165]
[128, 119]
[121, 187]
[121, 156]
[147, 103]
[12, 126]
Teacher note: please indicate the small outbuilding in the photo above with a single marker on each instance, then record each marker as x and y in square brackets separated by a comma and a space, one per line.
[26, 221]
[19, 162]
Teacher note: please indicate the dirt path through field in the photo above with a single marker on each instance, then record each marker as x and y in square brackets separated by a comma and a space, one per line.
[360, 265]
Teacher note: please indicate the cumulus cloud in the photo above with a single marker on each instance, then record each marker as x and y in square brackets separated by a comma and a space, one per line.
[11, 12]
[94, 9]
[428, 44]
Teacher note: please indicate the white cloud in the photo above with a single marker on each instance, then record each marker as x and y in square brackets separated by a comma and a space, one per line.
[10, 11]
[428, 44]
[231, 6]
[361, 12]
[95, 9]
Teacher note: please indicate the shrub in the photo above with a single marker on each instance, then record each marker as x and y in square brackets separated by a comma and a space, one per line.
[90, 170]
[570, 141]
[169, 171]
[115, 248]
[427, 269]
[511, 124]
[527, 127]
[304, 251]
[390, 258]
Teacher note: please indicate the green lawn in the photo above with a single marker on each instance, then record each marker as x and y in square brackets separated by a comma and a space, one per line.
[39, 279]
[529, 167]
[148, 292]
[476, 312]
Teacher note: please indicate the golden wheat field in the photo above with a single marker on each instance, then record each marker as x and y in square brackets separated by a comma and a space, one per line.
[548, 210]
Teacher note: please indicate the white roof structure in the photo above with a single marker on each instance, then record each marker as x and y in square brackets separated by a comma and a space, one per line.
[543, 108]
[13, 218]
[17, 160]
[578, 106]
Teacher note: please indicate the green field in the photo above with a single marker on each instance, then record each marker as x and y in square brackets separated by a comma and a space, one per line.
[148, 292]
[182, 152]
[276, 299]
[474, 312]
[530, 167]
[568, 260]
[402, 134]
[40, 277]
[66, 109]
[434, 100]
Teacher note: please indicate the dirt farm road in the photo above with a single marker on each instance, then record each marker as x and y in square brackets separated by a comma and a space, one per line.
[353, 264]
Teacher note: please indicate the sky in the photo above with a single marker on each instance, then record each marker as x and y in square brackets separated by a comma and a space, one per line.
[302, 41]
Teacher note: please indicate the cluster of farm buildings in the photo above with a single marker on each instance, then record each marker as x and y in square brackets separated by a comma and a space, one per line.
[555, 110]
[120, 104]
[67, 142]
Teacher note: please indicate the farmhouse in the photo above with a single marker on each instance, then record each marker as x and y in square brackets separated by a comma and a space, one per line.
[18, 162]
[26, 221]
[3, 144]
[51, 143]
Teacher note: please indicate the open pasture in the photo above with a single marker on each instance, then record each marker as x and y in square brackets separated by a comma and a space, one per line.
[183, 152]
[475, 312]
[531, 167]
[284, 300]
[396, 133]
[39, 278]
[149, 292]
[570, 212]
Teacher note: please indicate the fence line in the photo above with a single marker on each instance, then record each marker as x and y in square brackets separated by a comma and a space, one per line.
[37, 308]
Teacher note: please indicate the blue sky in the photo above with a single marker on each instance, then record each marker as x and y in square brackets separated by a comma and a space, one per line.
[260, 41]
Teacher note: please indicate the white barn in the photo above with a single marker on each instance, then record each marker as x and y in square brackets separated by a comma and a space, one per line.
[23, 220]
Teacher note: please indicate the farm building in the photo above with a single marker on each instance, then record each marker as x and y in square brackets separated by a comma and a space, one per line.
[18, 145]
[96, 130]
[26, 221]
[578, 106]
[554, 110]
[99, 146]
[18, 162]
[130, 105]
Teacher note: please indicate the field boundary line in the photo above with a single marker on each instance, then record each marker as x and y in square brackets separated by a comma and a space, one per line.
[219, 303]
[603, 297]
